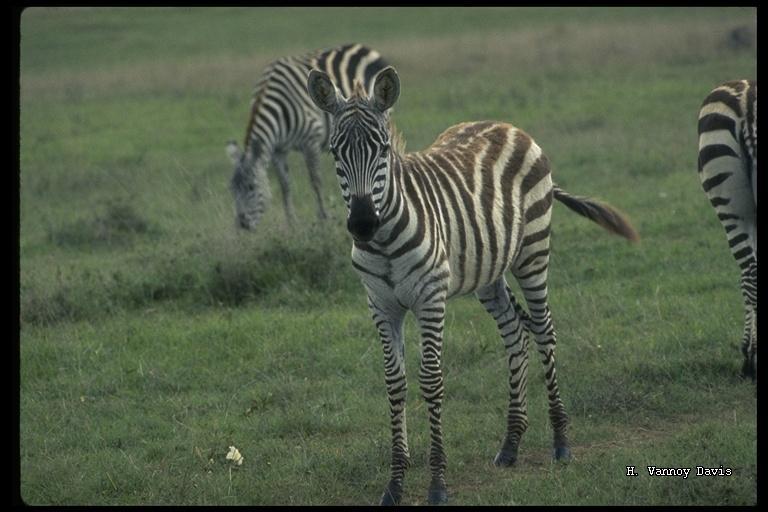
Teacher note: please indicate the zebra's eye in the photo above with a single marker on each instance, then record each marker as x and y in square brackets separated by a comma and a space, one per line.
[384, 150]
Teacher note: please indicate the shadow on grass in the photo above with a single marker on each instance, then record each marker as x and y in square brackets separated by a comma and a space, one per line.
[655, 388]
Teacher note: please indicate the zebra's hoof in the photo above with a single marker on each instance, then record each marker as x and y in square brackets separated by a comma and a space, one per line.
[749, 370]
[392, 495]
[505, 459]
[437, 496]
[561, 453]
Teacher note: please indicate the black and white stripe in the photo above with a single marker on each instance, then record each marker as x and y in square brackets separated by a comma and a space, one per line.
[446, 221]
[728, 173]
[283, 118]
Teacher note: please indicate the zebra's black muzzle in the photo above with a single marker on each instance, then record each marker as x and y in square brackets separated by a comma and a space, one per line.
[363, 220]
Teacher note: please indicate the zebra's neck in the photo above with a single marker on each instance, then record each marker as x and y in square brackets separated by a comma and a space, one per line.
[260, 135]
[259, 149]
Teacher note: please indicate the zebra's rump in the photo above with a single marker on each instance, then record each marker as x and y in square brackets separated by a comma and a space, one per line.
[728, 174]
[728, 146]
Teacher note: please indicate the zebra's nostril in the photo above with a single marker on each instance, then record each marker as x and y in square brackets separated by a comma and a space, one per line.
[363, 220]
[363, 228]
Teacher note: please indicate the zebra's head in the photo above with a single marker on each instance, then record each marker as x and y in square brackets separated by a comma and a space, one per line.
[249, 187]
[360, 144]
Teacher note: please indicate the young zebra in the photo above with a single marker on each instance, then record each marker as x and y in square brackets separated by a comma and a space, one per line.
[442, 222]
[728, 173]
[283, 118]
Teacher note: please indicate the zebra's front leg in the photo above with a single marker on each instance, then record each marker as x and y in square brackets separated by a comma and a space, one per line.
[390, 326]
[501, 305]
[431, 318]
[312, 157]
[534, 287]
[281, 166]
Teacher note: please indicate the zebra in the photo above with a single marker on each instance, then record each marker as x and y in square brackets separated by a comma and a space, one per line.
[728, 173]
[447, 221]
[282, 119]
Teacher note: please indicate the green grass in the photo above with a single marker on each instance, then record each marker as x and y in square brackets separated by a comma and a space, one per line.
[154, 336]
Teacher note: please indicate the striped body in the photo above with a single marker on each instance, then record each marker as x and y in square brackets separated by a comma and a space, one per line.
[283, 118]
[728, 173]
[464, 210]
[446, 221]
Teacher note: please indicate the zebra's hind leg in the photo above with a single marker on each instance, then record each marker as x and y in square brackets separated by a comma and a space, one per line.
[390, 326]
[749, 342]
[533, 282]
[312, 157]
[500, 304]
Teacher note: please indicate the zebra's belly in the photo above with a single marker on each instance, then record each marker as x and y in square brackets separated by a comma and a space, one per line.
[470, 258]
[400, 290]
[462, 283]
[485, 254]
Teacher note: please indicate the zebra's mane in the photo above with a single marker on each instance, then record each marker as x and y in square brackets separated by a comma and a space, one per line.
[396, 138]
[358, 91]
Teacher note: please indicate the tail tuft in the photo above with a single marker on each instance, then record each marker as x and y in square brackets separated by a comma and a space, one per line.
[605, 215]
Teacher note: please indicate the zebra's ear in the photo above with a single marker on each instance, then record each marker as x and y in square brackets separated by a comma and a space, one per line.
[322, 91]
[386, 89]
[233, 152]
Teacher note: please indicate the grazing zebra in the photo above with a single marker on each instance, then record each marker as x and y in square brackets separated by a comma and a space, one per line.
[283, 118]
[728, 173]
[442, 222]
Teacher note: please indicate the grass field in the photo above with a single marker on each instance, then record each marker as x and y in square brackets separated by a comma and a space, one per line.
[153, 336]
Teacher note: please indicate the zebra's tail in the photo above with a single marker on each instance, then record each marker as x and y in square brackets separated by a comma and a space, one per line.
[605, 215]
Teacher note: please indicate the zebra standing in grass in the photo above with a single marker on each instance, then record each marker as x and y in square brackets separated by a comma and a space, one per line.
[283, 118]
[728, 173]
[447, 221]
